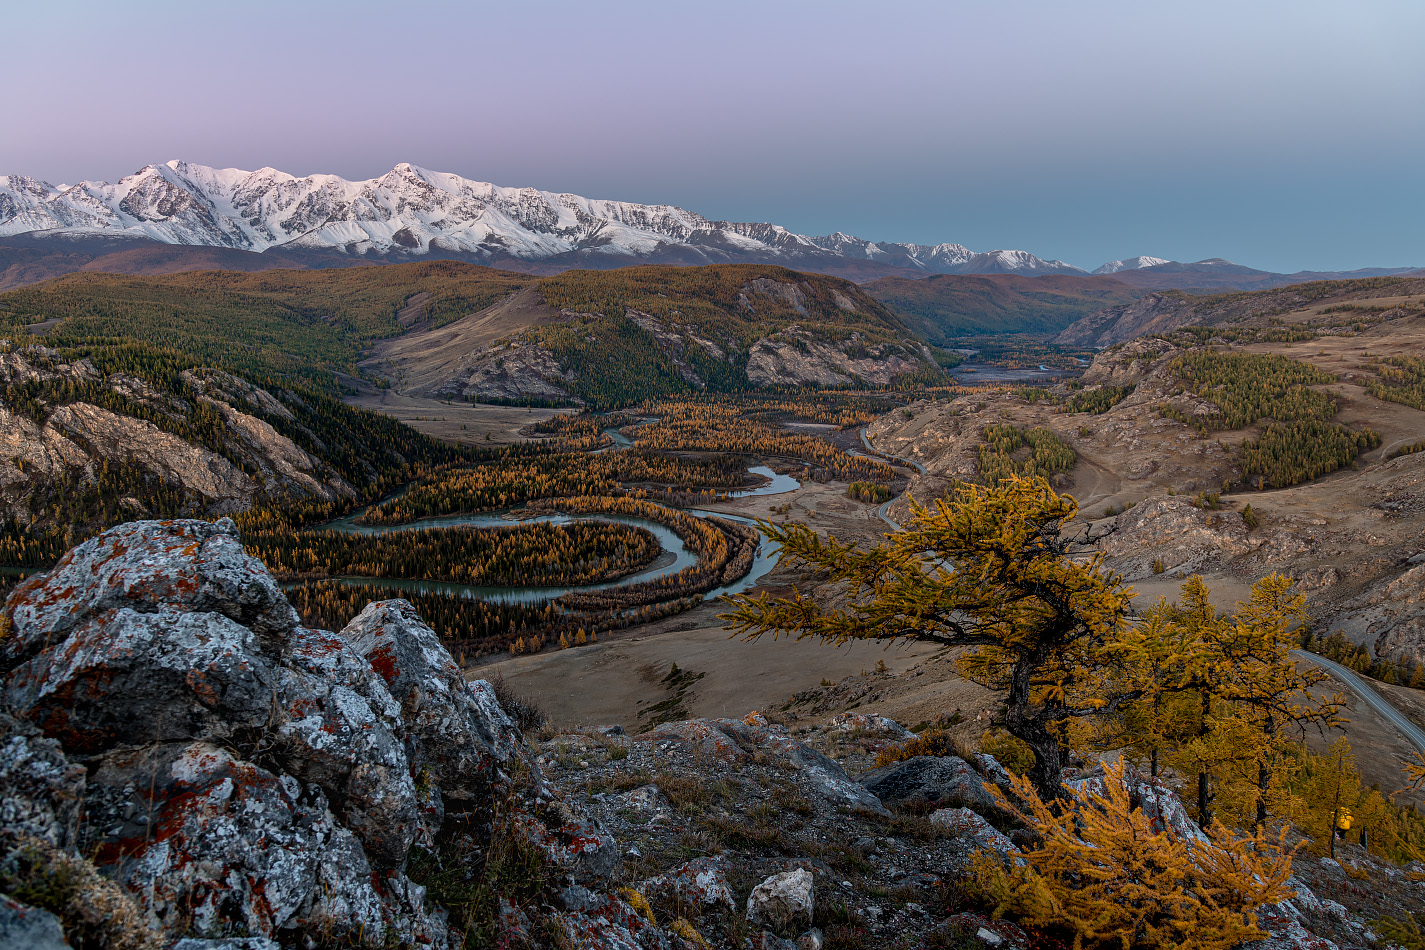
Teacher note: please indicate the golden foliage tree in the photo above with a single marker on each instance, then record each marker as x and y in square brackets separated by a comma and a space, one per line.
[1101, 871]
[1220, 696]
[993, 569]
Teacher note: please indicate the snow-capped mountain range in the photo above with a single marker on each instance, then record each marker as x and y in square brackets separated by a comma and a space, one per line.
[182, 216]
[1132, 263]
[411, 211]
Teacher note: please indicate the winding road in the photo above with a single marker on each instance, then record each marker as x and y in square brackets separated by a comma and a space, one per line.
[1352, 681]
[881, 512]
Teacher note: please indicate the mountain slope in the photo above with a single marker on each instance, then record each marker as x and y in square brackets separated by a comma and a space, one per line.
[1158, 313]
[412, 211]
[297, 325]
[615, 337]
[943, 307]
[1132, 263]
[461, 329]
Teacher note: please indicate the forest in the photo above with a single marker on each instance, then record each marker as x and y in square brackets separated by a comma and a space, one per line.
[1401, 379]
[1300, 441]
[1009, 451]
[527, 555]
[1098, 400]
[690, 425]
[510, 480]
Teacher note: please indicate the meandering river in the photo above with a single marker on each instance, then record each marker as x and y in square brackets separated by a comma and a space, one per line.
[675, 556]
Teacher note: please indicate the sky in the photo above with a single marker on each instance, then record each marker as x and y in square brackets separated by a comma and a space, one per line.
[1282, 135]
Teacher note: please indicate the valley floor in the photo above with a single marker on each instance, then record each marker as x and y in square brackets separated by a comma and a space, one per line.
[464, 423]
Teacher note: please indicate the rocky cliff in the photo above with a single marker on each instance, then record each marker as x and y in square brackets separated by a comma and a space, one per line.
[206, 440]
[184, 765]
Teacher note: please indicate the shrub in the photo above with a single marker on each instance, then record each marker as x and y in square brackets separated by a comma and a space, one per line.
[1014, 754]
[96, 914]
[1102, 875]
[930, 742]
[1249, 518]
[1159, 566]
[525, 712]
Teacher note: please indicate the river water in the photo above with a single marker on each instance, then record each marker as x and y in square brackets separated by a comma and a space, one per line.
[764, 561]
[970, 374]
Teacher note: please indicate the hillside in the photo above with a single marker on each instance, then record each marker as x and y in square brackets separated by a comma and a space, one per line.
[1313, 422]
[454, 329]
[944, 307]
[615, 337]
[129, 431]
[1313, 302]
[305, 325]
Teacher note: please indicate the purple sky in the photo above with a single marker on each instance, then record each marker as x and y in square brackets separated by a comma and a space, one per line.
[1283, 135]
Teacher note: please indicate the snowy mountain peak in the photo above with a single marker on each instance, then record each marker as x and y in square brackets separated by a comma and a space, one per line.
[1132, 263]
[410, 211]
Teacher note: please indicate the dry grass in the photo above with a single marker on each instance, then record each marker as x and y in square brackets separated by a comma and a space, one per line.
[96, 914]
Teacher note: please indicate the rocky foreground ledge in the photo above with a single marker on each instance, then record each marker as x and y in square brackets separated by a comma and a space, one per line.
[183, 764]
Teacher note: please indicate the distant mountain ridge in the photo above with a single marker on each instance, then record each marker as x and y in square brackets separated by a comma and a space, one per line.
[413, 213]
[1218, 274]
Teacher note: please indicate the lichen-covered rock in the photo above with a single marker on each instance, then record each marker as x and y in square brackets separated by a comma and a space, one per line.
[987, 931]
[340, 728]
[649, 803]
[41, 791]
[935, 780]
[193, 566]
[209, 842]
[352, 898]
[604, 922]
[698, 887]
[244, 774]
[124, 676]
[861, 724]
[570, 841]
[785, 901]
[741, 740]
[454, 730]
[332, 737]
[979, 833]
[23, 926]
[1158, 802]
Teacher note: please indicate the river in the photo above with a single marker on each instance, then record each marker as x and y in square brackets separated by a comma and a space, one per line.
[764, 561]
[969, 374]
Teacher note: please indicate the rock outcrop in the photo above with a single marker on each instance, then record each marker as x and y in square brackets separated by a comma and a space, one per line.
[793, 357]
[166, 713]
[931, 780]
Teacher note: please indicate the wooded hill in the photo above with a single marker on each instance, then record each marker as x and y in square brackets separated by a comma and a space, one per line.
[616, 336]
[1243, 316]
[945, 307]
